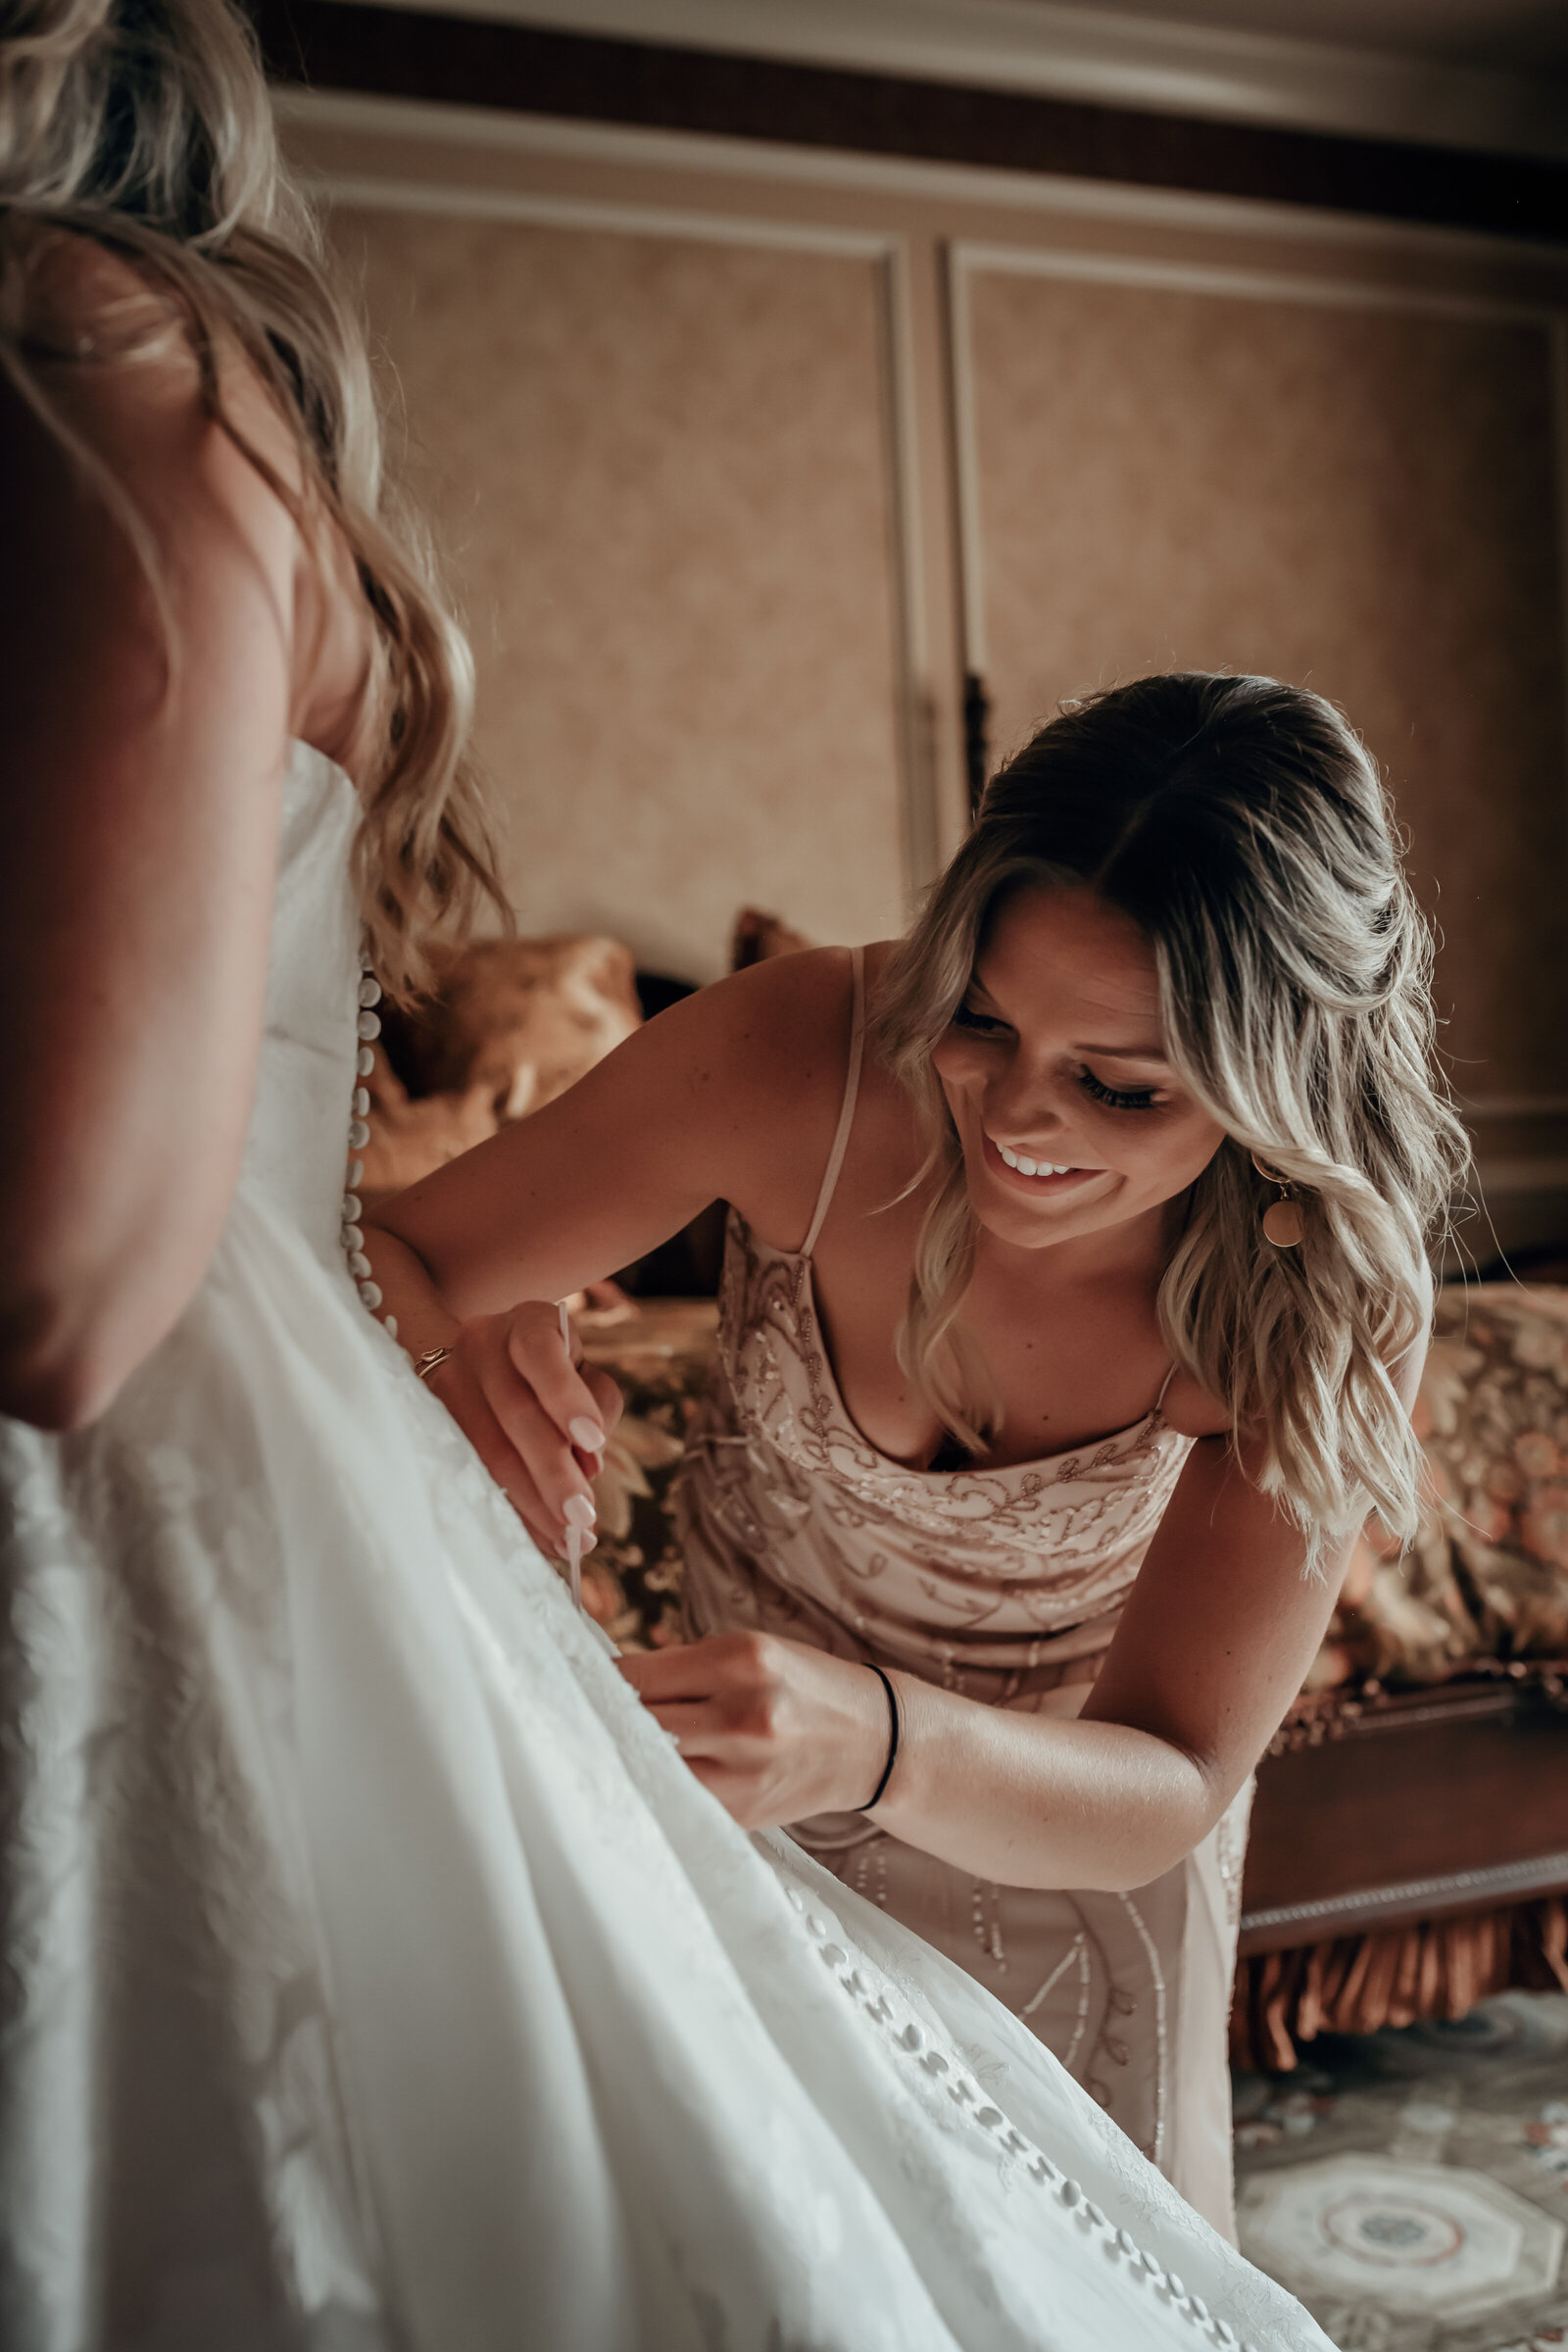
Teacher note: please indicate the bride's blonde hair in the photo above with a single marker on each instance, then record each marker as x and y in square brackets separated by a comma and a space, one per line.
[145, 126]
[1242, 826]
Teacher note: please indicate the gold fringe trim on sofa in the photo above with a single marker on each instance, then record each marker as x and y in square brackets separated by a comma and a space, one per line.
[1435, 1968]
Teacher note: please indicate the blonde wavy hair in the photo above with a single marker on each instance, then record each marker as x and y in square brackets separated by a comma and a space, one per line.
[145, 126]
[1241, 825]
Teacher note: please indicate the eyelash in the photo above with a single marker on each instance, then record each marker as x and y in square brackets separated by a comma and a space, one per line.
[1144, 1097]
[1141, 1097]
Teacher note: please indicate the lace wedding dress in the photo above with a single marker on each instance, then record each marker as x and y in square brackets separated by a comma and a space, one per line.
[377, 1977]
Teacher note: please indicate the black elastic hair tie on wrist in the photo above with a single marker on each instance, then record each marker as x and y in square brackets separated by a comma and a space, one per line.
[877, 1794]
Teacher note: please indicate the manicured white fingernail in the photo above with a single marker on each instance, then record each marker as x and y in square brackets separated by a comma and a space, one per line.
[578, 1511]
[586, 1433]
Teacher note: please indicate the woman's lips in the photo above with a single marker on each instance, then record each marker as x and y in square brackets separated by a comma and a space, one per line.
[1062, 1180]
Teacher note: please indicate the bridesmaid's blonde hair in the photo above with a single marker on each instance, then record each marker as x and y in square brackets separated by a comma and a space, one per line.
[145, 126]
[1242, 826]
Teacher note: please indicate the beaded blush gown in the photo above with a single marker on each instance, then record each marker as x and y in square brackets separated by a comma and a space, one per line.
[1004, 1585]
[376, 1978]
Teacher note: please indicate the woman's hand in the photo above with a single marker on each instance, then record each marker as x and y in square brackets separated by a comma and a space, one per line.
[777, 1729]
[535, 1414]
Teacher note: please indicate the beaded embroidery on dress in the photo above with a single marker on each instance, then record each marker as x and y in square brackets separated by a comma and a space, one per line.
[376, 1975]
[993, 1574]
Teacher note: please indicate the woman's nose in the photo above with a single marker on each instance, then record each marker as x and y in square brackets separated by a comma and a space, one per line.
[1023, 1101]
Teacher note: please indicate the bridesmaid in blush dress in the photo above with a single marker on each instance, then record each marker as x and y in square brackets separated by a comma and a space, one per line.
[1002, 1583]
[1076, 1290]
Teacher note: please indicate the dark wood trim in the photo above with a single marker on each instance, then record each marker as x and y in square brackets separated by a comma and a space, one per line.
[393, 52]
[1492, 1888]
[1428, 1804]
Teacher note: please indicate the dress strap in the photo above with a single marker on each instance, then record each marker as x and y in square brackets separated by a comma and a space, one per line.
[1165, 1385]
[852, 1087]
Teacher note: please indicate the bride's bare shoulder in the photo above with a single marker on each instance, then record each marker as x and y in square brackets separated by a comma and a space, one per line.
[109, 340]
[71, 296]
[113, 348]
[176, 430]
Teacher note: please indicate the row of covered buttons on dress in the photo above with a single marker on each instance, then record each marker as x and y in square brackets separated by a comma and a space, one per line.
[1119, 2244]
[368, 1026]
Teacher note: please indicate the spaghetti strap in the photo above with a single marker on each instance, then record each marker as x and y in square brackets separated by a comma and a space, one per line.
[1163, 1386]
[852, 1087]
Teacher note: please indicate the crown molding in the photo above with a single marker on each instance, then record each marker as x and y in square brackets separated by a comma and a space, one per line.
[1044, 49]
[423, 121]
[389, 49]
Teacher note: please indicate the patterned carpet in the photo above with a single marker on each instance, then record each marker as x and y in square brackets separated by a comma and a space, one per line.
[1412, 2187]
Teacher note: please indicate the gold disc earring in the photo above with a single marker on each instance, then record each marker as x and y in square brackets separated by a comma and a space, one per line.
[1283, 1222]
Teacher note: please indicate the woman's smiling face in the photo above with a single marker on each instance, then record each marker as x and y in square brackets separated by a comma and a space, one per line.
[1070, 1117]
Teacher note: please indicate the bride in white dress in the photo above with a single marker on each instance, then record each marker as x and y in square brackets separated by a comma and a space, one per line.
[375, 1973]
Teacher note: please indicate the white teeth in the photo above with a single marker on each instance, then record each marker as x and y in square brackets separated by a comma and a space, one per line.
[1030, 1168]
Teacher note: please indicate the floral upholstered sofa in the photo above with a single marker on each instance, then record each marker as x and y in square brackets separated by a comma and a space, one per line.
[1486, 1578]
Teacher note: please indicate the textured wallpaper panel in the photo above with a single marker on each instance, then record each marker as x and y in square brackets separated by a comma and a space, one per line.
[1361, 502]
[658, 468]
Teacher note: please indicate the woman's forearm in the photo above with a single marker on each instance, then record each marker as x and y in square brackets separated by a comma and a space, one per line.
[781, 1730]
[409, 1297]
[1033, 1800]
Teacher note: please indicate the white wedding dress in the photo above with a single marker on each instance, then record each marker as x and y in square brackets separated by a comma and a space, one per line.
[376, 1978]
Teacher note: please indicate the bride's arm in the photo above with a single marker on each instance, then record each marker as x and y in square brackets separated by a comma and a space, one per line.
[141, 811]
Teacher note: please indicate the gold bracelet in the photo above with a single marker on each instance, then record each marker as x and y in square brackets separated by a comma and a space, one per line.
[428, 1363]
